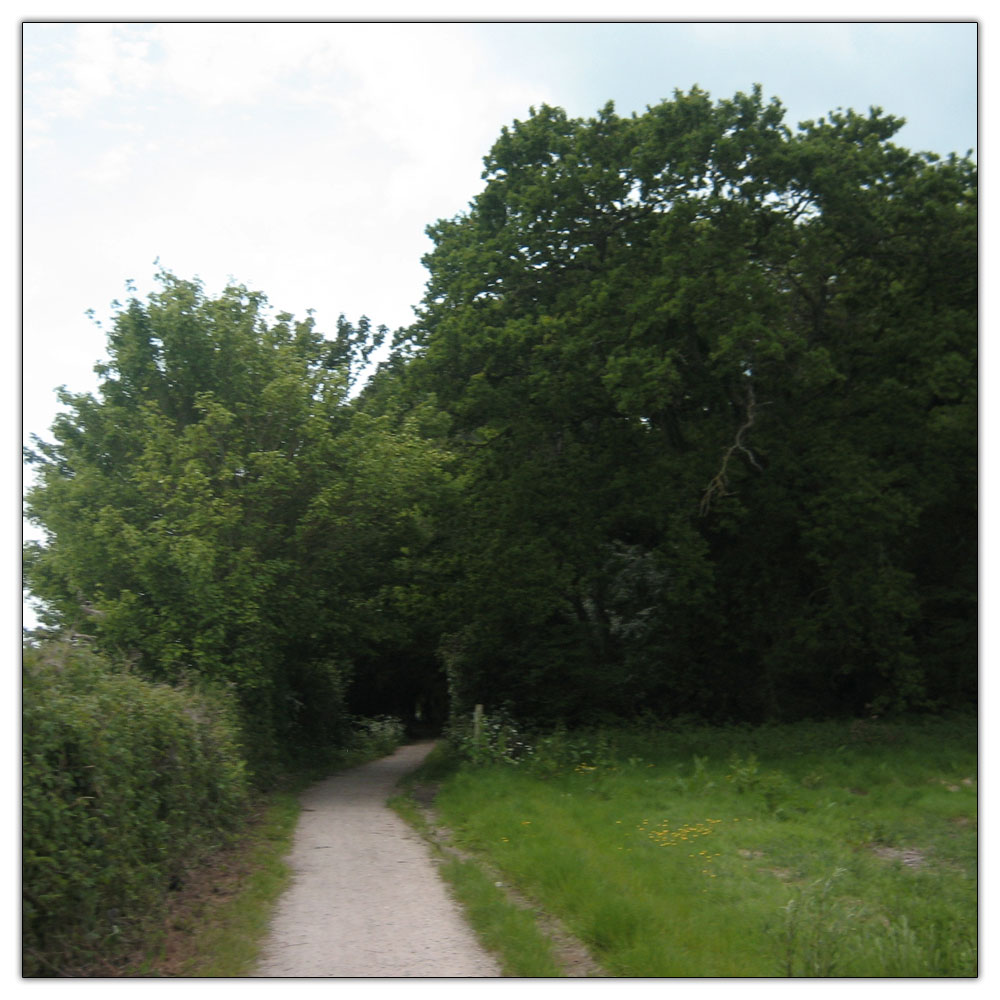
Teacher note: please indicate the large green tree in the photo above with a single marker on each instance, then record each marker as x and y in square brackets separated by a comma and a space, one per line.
[221, 509]
[713, 384]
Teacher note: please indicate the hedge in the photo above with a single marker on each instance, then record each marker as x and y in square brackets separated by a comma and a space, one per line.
[125, 782]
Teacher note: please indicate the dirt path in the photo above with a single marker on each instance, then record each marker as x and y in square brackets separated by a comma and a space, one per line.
[366, 899]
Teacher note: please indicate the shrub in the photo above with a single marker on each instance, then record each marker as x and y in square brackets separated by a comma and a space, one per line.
[498, 738]
[124, 783]
[493, 739]
[377, 736]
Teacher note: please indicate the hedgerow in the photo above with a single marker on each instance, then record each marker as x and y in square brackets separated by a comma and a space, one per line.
[125, 783]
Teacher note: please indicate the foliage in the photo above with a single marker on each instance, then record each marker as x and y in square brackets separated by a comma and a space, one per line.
[490, 739]
[220, 509]
[124, 783]
[711, 383]
[686, 425]
[498, 739]
[377, 737]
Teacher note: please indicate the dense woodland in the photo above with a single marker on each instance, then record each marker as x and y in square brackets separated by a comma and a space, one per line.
[686, 426]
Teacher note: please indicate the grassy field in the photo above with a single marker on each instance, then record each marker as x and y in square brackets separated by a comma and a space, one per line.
[820, 849]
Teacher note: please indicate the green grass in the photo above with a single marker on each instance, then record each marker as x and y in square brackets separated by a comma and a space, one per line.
[809, 850]
[503, 928]
[508, 931]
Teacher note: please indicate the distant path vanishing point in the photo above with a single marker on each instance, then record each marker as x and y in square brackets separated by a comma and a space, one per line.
[366, 899]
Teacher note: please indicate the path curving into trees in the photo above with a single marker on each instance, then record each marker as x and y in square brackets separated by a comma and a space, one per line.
[366, 899]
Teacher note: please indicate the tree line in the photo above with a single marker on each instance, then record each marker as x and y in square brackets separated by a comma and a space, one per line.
[686, 425]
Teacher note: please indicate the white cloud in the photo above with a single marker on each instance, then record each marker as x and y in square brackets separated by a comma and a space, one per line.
[427, 99]
[105, 61]
[218, 64]
[112, 166]
[92, 68]
[70, 68]
[415, 90]
[390, 126]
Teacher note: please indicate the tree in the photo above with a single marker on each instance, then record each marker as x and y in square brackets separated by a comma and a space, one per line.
[687, 423]
[219, 508]
[711, 382]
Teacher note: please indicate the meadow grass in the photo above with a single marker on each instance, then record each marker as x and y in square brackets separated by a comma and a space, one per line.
[820, 849]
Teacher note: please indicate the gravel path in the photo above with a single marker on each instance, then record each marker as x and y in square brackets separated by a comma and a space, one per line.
[366, 899]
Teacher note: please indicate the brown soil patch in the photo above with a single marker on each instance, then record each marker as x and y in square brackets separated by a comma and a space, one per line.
[909, 856]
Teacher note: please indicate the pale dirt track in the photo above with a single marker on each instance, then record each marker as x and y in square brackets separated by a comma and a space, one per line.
[366, 899]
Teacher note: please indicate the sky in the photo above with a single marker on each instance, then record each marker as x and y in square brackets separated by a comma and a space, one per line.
[306, 159]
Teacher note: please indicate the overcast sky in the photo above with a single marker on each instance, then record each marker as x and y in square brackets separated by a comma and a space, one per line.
[305, 160]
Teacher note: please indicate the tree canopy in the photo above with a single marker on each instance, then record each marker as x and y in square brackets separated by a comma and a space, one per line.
[714, 385]
[218, 510]
[687, 423]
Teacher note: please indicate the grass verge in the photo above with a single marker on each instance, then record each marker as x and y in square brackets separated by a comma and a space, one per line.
[503, 928]
[506, 928]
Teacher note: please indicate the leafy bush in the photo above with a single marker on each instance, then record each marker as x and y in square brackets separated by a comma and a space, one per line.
[499, 739]
[493, 739]
[124, 783]
[377, 736]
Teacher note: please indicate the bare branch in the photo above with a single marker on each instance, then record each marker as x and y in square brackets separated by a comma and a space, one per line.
[718, 486]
